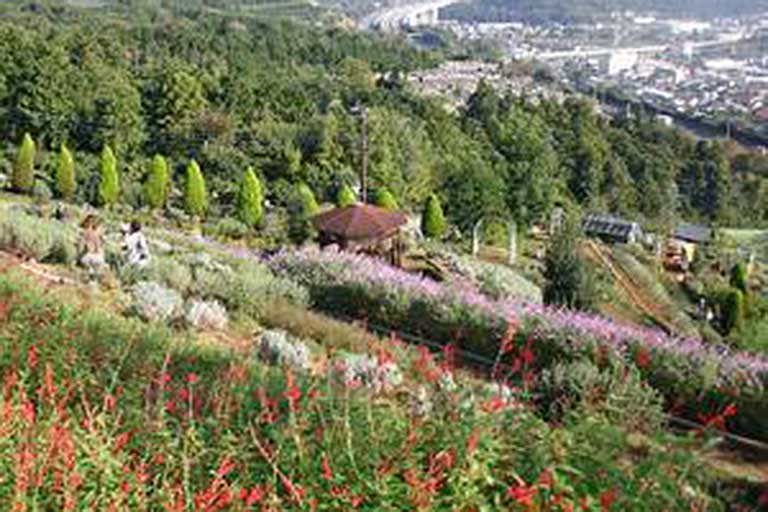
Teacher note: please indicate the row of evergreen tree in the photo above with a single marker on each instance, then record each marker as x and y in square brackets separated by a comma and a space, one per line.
[158, 182]
[157, 185]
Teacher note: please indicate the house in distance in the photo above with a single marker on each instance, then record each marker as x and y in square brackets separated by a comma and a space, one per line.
[685, 239]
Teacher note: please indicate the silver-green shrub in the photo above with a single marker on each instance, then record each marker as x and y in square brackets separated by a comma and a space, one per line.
[277, 348]
[362, 370]
[41, 239]
[206, 315]
[247, 286]
[154, 302]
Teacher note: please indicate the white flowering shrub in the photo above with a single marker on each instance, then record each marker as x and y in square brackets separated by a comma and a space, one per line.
[494, 389]
[206, 315]
[420, 403]
[362, 370]
[154, 302]
[277, 348]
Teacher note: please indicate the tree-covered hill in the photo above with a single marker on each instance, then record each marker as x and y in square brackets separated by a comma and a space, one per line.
[233, 92]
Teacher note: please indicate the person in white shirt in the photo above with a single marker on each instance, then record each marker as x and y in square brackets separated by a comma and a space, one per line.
[136, 246]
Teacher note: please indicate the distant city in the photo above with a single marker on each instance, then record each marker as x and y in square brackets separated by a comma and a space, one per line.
[712, 71]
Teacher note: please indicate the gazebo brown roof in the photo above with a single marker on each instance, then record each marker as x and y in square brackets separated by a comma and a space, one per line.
[359, 222]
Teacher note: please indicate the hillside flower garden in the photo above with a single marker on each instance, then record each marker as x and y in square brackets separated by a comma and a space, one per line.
[695, 378]
[130, 409]
[99, 412]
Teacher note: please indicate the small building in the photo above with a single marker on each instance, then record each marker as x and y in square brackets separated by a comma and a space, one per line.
[363, 228]
[688, 236]
[612, 229]
[693, 233]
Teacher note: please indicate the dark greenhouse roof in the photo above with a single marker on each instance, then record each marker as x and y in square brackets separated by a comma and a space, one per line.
[693, 233]
[607, 225]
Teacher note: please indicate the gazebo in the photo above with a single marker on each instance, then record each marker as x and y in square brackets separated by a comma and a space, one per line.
[364, 228]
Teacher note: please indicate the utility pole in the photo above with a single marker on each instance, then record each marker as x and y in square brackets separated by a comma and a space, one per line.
[363, 113]
[364, 154]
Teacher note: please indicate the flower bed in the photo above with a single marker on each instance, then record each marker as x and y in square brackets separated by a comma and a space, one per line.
[102, 413]
[686, 371]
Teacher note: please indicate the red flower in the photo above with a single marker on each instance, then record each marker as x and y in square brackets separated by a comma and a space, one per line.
[356, 500]
[295, 492]
[251, 497]
[32, 356]
[170, 406]
[164, 379]
[75, 480]
[607, 499]
[522, 494]
[327, 473]
[442, 462]
[110, 402]
[495, 404]
[293, 395]
[28, 411]
[122, 440]
[546, 479]
[141, 474]
[643, 358]
[225, 467]
[192, 378]
[559, 500]
[528, 356]
[473, 442]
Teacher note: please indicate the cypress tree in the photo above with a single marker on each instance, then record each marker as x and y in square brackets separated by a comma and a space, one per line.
[385, 199]
[156, 186]
[301, 208]
[433, 223]
[569, 280]
[109, 186]
[345, 197]
[24, 169]
[250, 200]
[66, 185]
[739, 278]
[732, 310]
[195, 196]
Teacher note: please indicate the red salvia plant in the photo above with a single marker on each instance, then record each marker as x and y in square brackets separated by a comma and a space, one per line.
[607, 499]
[717, 420]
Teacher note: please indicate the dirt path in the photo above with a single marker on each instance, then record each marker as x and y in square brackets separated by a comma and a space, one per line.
[631, 289]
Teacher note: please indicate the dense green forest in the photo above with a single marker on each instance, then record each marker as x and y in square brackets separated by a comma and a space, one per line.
[278, 96]
[579, 10]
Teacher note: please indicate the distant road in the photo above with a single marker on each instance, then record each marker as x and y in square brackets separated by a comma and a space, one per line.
[604, 52]
[411, 13]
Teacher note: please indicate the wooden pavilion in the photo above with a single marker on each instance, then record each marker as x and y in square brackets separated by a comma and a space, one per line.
[363, 228]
